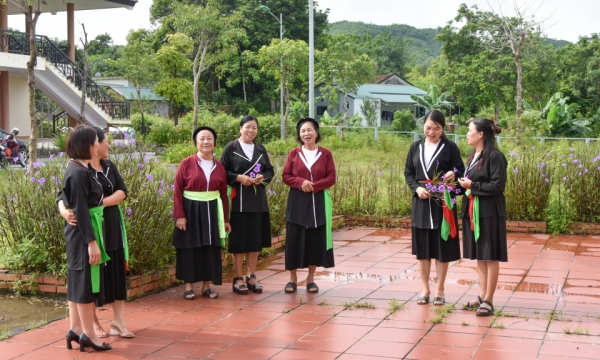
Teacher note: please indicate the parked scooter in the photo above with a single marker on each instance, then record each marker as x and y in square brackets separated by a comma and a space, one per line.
[9, 150]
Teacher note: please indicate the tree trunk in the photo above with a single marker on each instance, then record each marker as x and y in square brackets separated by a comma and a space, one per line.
[519, 93]
[196, 78]
[345, 113]
[497, 112]
[286, 95]
[139, 94]
[35, 122]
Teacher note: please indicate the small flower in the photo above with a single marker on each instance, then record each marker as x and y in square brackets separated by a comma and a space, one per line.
[162, 183]
[146, 160]
[449, 188]
[516, 170]
[392, 170]
[580, 166]
[257, 168]
[140, 165]
[15, 159]
[517, 157]
[547, 180]
[32, 179]
[379, 172]
[565, 178]
[26, 172]
[587, 141]
[428, 186]
[276, 164]
[454, 201]
[455, 170]
[433, 189]
[170, 212]
[586, 170]
[533, 148]
[575, 161]
[252, 175]
[150, 177]
[570, 155]
[37, 165]
[42, 181]
[10, 198]
[160, 191]
[126, 136]
[131, 141]
[441, 188]
[172, 167]
[443, 176]
[271, 192]
[579, 173]
[543, 175]
[61, 154]
[128, 212]
[457, 191]
[156, 160]
[564, 165]
[131, 171]
[51, 156]
[336, 177]
[572, 149]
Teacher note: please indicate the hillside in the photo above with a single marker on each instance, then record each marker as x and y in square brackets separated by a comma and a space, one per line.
[422, 41]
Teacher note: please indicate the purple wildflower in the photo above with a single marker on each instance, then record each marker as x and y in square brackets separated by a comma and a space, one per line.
[257, 168]
[580, 166]
[579, 173]
[32, 179]
[517, 157]
[457, 191]
[575, 161]
[51, 156]
[379, 172]
[571, 149]
[160, 191]
[150, 177]
[547, 180]
[564, 164]
[252, 175]
[170, 212]
[443, 176]
[15, 159]
[428, 186]
[276, 164]
[131, 141]
[533, 148]
[61, 154]
[392, 170]
[570, 155]
[146, 160]
[140, 165]
[543, 175]
[454, 201]
[128, 212]
[455, 170]
[271, 192]
[441, 188]
[172, 167]
[433, 189]
[42, 181]
[156, 160]
[37, 165]
[10, 198]
[565, 178]
[162, 183]
[126, 136]
[449, 188]
[26, 172]
[336, 177]
[516, 170]
[586, 170]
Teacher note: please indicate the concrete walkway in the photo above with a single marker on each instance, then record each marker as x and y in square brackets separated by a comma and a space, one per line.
[549, 297]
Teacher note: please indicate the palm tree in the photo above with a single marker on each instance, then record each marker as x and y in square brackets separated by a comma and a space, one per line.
[432, 100]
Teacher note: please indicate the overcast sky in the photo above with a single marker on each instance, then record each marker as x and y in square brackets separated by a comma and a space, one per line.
[569, 19]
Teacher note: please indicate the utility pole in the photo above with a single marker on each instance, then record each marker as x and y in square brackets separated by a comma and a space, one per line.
[311, 59]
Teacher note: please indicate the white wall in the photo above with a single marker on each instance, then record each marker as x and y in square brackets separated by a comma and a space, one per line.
[19, 105]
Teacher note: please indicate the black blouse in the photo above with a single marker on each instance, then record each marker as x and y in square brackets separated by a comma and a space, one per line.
[427, 213]
[111, 181]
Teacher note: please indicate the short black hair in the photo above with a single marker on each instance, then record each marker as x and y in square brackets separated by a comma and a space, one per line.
[101, 134]
[79, 141]
[248, 118]
[315, 126]
[204, 128]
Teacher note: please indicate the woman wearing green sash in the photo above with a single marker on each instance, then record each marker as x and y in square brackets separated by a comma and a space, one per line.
[114, 273]
[484, 210]
[309, 171]
[84, 242]
[201, 208]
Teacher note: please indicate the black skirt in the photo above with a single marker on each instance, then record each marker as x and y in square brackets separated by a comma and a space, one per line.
[114, 279]
[79, 283]
[491, 244]
[306, 246]
[250, 232]
[428, 244]
[199, 264]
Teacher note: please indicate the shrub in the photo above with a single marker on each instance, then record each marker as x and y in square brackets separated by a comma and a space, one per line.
[404, 120]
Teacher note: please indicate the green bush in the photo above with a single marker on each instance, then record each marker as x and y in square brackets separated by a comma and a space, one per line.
[404, 120]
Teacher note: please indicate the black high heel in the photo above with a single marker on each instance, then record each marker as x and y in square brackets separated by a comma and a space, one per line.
[85, 341]
[71, 336]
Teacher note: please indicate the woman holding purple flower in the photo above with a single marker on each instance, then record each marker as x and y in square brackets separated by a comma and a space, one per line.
[432, 164]
[484, 210]
[249, 171]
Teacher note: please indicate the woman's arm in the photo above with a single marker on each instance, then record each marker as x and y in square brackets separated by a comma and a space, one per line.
[115, 198]
[330, 177]
[497, 173]
[288, 176]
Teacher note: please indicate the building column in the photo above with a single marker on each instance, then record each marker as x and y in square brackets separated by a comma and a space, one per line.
[71, 41]
[4, 105]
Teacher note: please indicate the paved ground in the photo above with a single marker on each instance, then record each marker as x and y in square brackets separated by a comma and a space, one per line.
[549, 295]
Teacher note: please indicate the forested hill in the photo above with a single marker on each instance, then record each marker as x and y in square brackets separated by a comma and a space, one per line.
[422, 41]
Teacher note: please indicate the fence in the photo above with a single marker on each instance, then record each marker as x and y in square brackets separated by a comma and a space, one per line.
[454, 137]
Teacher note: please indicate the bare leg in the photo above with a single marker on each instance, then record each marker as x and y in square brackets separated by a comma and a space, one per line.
[97, 327]
[238, 264]
[482, 267]
[493, 271]
[424, 269]
[441, 270]
[293, 279]
[251, 261]
[311, 273]
[74, 319]
[118, 323]
[86, 315]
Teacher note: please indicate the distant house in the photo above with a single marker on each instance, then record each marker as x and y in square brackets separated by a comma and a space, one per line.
[126, 90]
[391, 93]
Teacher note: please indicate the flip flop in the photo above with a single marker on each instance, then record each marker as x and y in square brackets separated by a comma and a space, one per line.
[312, 287]
[470, 306]
[439, 301]
[485, 309]
[423, 300]
[291, 285]
[209, 292]
[188, 293]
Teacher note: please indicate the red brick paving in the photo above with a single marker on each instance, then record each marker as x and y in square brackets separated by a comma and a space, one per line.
[551, 284]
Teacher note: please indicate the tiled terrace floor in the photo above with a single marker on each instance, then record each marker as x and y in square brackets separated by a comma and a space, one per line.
[551, 283]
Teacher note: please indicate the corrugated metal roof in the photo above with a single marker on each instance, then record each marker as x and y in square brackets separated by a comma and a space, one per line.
[389, 93]
[130, 93]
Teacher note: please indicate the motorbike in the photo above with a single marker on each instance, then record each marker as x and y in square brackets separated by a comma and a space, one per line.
[9, 150]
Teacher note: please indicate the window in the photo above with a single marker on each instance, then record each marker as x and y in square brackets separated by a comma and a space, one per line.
[387, 115]
[321, 110]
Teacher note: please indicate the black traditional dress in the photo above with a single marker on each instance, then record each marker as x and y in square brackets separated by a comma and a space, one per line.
[199, 247]
[249, 217]
[487, 185]
[308, 215]
[82, 192]
[427, 214]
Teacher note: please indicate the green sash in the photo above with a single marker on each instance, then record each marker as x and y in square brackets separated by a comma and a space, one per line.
[328, 219]
[474, 213]
[96, 214]
[209, 196]
[124, 232]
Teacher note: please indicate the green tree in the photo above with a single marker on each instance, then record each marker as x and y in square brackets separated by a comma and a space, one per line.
[292, 72]
[173, 60]
[390, 53]
[342, 68]
[433, 99]
[404, 120]
[370, 110]
[137, 65]
[215, 36]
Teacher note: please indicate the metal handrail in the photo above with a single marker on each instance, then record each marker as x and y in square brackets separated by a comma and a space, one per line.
[15, 42]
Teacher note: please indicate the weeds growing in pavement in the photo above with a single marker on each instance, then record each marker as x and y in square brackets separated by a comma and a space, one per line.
[395, 306]
[324, 302]
[364, 305]
[5, 333]
[464, 323]
[442, 312]
[578, 331]
[347, 305]
[32, 325]
[497, 325]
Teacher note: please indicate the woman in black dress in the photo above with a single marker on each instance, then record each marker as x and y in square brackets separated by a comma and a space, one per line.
[484, 210]
[84, 242]
[201, 208]
[309, 171]
[249, 171]
[115, 239]
[433, 156]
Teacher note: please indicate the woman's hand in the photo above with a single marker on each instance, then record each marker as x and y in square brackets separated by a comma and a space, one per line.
[465, 182]
[245, 180]
[181, 224]
[227, 228]
[449, 177]
[258, 179]
[69, 216]
[307, 186]
[94, 252]
[423, 193]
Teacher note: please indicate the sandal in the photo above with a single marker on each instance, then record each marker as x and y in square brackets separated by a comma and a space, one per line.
[470, 306]
[209, 293]
[100, 332]
[423, 300]
[312, 287]
[240, 289]
[439, 301]
[485, 309]
[256, 287]
[291, 286]
[124, 333]
[187, 293]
